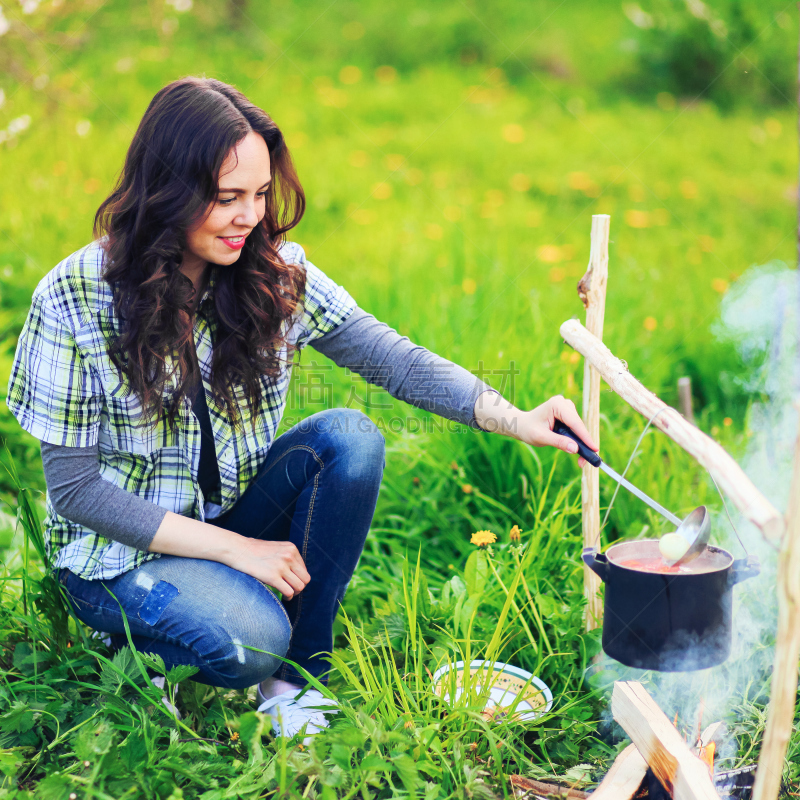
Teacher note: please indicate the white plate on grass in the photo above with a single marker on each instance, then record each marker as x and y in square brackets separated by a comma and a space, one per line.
[509, 687]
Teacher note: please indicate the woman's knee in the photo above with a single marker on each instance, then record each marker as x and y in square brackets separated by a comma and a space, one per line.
[251, 644]
[355, 437]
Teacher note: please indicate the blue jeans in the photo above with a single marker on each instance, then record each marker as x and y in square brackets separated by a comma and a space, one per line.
[317, 488]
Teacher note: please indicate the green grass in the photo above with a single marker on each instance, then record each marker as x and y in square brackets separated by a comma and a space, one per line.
[468, 236]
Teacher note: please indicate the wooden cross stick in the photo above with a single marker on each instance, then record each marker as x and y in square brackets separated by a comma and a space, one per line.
[727, 473]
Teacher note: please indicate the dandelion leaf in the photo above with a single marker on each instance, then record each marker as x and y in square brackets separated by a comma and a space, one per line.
[153, 661]
[18, 719]
[30, 661]
[134, 750]
[181, 673]
[251, 728]
[123, 666]
[476, 572]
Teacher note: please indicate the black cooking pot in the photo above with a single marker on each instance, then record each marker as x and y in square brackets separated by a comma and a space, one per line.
[667, 622]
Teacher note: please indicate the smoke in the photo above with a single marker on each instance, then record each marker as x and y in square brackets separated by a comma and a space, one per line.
[760, 317]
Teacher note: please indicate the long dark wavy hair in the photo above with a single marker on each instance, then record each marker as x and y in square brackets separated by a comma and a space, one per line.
[168, 183]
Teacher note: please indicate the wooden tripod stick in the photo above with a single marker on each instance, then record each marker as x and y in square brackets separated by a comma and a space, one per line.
[783, 692]
[728, 474]
[592, 291]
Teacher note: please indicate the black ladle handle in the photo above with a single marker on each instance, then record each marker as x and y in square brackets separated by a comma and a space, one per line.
[563, 430]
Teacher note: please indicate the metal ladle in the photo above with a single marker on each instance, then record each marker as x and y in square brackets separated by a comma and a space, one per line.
[695, 528]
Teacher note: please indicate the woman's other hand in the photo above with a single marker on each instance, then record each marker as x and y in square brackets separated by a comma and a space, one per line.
[278, 564]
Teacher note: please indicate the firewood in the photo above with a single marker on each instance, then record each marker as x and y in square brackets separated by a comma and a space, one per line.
[682, 773]
[713, 733]
[546, 789]
[624, 778]
[728, 474]
[783, 692]
[592, 291]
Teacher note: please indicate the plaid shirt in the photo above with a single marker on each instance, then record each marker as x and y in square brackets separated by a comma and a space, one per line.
[65, 390]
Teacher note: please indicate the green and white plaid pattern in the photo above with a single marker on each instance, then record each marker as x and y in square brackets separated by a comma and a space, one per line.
[65, 390]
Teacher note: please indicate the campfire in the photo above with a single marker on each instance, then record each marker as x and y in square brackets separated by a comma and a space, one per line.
[659, 764]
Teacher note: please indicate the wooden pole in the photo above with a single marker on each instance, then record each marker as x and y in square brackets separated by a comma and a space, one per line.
[685, 398]
[729, 475]
[783, 693]
[592, 291]
[681, 772]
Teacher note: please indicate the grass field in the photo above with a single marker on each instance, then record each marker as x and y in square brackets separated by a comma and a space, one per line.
[452, 159]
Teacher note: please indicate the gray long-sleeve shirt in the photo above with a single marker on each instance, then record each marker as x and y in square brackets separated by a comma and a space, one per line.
[362, 343]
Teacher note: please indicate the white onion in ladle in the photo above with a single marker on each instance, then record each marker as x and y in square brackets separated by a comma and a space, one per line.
[672, 547]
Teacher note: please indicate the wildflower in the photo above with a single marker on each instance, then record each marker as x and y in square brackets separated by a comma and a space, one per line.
[467, 488]
[515, 534]
[87, 764]
[481, 538]
[409, 724]
[235, 736]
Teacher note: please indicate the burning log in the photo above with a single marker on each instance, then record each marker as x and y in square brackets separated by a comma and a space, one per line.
[592, 291]
[624, 778]
[682, 773]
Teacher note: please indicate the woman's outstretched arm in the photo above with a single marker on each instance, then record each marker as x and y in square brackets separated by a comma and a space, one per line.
[411, 373]
[406, 370]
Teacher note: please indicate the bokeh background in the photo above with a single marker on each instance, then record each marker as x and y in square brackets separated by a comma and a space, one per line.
[452, 155]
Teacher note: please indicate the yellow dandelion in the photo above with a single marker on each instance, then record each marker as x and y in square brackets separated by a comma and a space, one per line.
[719, 285]
[727, 422]
[688, 189]
[481, 538]
[515, 534]
[235, 736]
[467, 488]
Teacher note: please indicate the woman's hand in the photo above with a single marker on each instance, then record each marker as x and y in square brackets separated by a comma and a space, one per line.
[536, 426]
[494, 413]
[278, 564]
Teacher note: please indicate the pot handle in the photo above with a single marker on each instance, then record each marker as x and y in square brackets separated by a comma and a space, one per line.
[744, 568]
[597, 562]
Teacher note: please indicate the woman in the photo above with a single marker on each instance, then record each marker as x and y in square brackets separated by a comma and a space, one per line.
[154, 366]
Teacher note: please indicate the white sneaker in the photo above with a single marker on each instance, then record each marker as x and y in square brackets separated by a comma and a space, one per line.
[290, 715]
[159, 682]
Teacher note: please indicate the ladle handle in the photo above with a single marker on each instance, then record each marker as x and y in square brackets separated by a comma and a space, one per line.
[564, 430]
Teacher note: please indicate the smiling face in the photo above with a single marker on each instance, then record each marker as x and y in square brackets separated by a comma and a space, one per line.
[239, 207]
